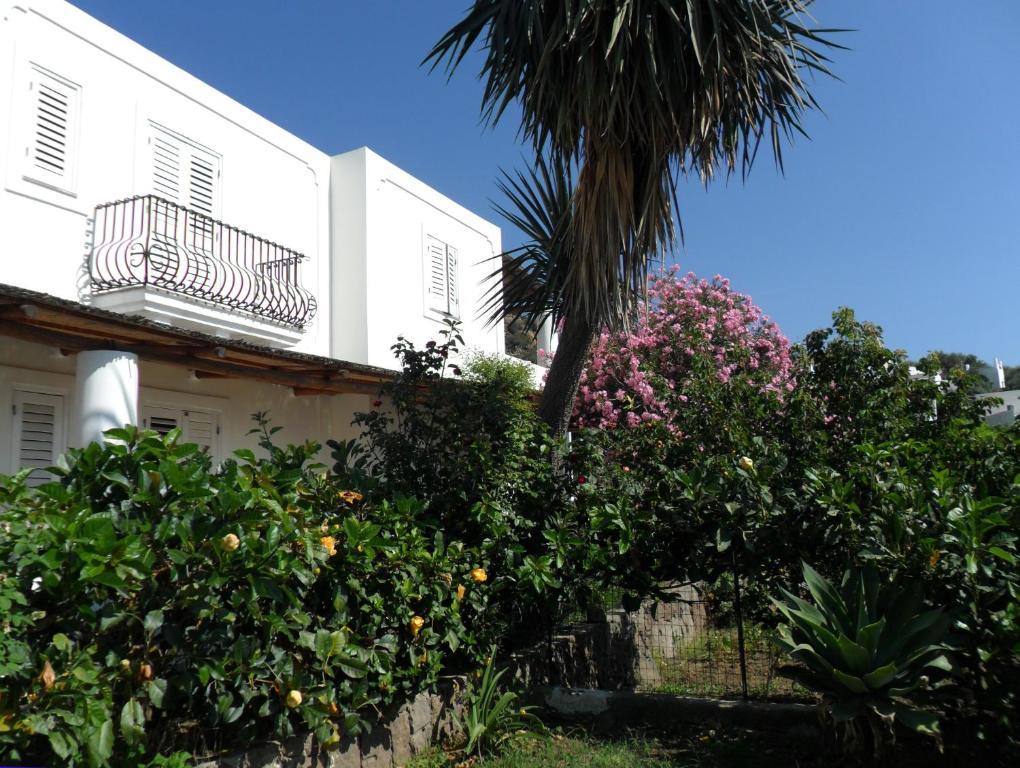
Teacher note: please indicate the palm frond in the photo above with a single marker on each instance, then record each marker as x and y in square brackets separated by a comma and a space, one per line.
[638, 94]
[530, 281]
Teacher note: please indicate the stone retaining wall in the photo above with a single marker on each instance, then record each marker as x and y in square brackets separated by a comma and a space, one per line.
[400, 732]
[615, 649]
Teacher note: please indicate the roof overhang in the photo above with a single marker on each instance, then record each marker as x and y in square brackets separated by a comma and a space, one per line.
[73, 327]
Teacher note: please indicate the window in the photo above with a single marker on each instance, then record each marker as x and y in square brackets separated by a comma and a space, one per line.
[51, 152]
[183, 171]
[442, 289]
[38, 433]
[197, 426]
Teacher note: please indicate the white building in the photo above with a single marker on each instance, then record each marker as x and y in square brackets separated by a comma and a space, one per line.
[169, 257]
[1006, 409]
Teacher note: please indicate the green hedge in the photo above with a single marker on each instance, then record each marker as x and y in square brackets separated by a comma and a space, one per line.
[150, 602]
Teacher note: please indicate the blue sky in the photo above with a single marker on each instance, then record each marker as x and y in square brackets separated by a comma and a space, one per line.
[905, 203]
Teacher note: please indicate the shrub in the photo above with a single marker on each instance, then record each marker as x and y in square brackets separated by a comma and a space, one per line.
[152, 601]
[695, 360]
[468, 444]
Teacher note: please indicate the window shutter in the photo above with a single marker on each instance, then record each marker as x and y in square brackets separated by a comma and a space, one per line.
[435, 265]
[199, 427]
[160, 420]
[202, 428]
[38, 434]
[183, 172]
[166, 167]
[53, 124]
[441, 277]
[201, 186]
[452, 287]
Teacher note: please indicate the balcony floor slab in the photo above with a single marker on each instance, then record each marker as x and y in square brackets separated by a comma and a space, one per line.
[196, 315]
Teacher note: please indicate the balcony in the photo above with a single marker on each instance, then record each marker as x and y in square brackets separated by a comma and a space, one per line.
[161, 260]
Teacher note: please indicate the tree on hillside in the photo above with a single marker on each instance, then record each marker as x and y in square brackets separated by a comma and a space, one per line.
[636, 96]
[1013, 377]
[968, 367]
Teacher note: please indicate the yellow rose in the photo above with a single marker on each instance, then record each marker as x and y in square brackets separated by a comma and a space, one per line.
[416, 624]
[294, 699]
[479, 575]
[934, 558]
[746, 464]
[230, 542]
[329, 544]
[460, 591]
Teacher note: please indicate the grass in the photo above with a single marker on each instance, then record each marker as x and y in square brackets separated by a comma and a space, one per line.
[698, 748]
[708, 664]
[687, 747]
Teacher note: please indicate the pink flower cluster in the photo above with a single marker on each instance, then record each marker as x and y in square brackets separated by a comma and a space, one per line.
[692, 333]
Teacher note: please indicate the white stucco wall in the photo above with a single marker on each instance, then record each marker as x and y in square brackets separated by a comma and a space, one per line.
[384, 213]
[271, 183]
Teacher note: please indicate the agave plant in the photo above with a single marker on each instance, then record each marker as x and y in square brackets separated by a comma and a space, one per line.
[869, 649]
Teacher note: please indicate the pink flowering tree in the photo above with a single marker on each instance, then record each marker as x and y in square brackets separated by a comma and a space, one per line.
[697, 352]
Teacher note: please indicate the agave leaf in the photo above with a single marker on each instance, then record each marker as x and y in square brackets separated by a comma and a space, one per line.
[881, 677]
[918, 720]
[826, 596]
[807, 655]
[869, 636]
[920, 631]
[855, 657]
[851, 682]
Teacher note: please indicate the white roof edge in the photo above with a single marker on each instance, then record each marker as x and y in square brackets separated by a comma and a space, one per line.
[394, 174]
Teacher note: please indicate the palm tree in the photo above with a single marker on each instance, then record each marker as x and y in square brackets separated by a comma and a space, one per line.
[635, 94]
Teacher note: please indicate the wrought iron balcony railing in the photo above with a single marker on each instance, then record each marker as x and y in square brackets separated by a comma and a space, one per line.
[148, 241]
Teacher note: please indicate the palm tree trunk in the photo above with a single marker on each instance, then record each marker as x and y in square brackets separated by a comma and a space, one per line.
[557, 402]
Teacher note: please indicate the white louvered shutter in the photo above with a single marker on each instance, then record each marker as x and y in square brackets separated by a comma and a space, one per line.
[452, 284]
[38, 433]
[184, 172]
[166, 166]
[160, 419]
[197, 426]
[435, 277]
[442, 288]
[202, 428]
[202, 183]
[54, 117]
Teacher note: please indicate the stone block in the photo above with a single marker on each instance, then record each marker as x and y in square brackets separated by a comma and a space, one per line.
[421, 722]
[375, 748]
[400, 735]
[347, 755]
[298, 751]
